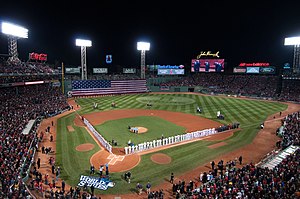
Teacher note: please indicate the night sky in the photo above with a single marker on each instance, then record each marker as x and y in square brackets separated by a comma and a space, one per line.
[248, 31]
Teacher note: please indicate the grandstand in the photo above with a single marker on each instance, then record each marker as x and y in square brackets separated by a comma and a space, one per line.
[31, 92]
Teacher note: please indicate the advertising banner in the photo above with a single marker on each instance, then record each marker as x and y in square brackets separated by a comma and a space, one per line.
[100, 70]
[129, 70]
[99, 183]
[72, 70]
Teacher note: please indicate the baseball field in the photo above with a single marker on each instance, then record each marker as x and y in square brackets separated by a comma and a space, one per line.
[169, 114]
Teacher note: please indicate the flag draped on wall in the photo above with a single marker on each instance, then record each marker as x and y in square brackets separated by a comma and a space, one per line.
[104, 87]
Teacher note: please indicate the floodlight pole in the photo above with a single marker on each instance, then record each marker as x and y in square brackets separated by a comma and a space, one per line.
[296, 60]
[83, 63]
[143, 60]
[13, 49]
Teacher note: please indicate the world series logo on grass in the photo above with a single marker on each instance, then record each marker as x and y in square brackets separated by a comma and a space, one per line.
[99, 183]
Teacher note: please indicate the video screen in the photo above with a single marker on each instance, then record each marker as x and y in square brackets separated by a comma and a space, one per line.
[207, 65]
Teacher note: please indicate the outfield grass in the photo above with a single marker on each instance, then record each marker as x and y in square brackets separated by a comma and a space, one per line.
[117, 129]
[248, 113]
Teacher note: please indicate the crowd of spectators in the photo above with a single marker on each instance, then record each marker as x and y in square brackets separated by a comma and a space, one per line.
[291, 130]
[234, 180]
[19, 105]
[25, 68]
[251, 85]
[290, 90]
[16, 72]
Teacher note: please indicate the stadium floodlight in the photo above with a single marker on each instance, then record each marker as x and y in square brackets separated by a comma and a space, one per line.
[291, 41]
[295, 41]
[13, 32]
[83, 44]
[143, 47]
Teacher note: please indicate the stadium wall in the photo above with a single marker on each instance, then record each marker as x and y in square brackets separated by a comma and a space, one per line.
[175, 88]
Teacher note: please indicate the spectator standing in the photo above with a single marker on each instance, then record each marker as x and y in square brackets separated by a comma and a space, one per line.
[241, 159]
[139, 188]
[101, 170]
[106, 169]
[172, 178]
[148, 188]
[128, 176]
[92, 169]
[53, 168]
[92, 189]
[63, 185]
[212, 165]
[38, 162]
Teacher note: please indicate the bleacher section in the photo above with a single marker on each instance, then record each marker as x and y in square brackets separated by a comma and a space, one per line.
[273, 161]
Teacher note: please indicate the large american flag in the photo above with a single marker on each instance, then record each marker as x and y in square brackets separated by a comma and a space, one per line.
[105, 87]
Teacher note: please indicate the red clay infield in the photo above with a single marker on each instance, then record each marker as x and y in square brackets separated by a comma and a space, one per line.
[161, 158]
[85, 147]
[120, 162]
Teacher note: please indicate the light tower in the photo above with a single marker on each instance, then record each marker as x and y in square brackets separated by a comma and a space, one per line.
[143, 47]
[14, 32]
[295, 41]
[83, 44]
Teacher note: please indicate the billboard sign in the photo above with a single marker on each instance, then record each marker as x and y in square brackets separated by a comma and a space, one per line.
[100, 70]
[72, 70]
[170, 71]
[255, 64]
[252, 70]
[129, 70]
[267, 70]
[239, 70]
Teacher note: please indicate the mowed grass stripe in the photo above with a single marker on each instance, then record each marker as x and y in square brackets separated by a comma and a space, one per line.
[65, 152]
[127, 100]
[262, 106]
[207, 107]
[217, 107]
[262, 111]
[230, 115]
[237, 113]
[68, 157]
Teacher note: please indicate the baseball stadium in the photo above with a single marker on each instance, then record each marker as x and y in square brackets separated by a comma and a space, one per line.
[153, 131]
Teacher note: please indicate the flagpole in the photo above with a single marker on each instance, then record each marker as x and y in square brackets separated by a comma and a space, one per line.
[62, 78]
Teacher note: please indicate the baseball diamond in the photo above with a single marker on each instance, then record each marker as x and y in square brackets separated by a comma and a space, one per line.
[113, 123]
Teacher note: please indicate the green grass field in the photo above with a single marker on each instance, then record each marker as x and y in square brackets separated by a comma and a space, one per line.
[156, 126]
[249, 113]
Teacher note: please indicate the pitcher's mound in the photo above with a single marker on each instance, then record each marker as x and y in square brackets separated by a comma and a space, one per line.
[85, 147]
[161, 158]
[140, 129]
